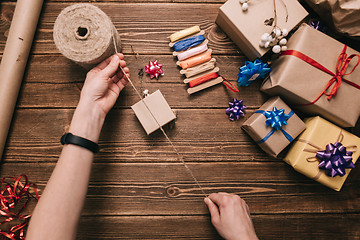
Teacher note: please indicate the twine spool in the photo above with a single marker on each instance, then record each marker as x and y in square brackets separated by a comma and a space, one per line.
[84, 34]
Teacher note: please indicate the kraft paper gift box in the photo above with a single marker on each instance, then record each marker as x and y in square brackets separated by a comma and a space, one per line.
[246, 27]
[153, 111]
[319, 133]
[300, 83]
[258, 130]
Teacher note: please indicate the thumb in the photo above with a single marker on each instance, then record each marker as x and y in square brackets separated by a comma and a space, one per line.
[213, 209]
[110, 70]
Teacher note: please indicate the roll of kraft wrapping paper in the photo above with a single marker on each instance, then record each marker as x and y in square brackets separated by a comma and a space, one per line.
[84, 34]
[13, 63]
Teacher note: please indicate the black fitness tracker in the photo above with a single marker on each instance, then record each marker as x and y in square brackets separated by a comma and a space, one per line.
[69, 138]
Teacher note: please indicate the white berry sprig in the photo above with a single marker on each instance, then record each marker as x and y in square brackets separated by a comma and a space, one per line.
[244, 5]
[276, 39]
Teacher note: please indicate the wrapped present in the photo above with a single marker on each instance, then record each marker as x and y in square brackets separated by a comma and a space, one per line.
[319, 75]
[343, 16]
[153, 111]
[324, 152]
[273, 126]
[245, 28]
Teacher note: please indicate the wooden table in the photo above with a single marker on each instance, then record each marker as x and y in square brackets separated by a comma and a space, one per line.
[138, 188]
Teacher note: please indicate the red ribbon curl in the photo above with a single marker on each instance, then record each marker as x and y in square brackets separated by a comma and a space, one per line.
[10, 196]
[341, 67]
[229, 85]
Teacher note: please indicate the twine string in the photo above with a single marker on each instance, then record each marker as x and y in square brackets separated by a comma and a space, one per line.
[162, 130]
[314, 158]
[275, 14]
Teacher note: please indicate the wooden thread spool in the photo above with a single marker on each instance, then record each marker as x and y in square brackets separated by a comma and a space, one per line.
[202, 32]
[193, 71]
[203, 79]
[205, 42]
[184, 33]
[192, 52]
[205, 85]
[187, 80]
[196, 60]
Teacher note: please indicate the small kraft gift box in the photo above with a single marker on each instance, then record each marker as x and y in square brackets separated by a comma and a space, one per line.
[324, 152]
[319, 76]
[153, 111]
[273, 126]
[245, 28]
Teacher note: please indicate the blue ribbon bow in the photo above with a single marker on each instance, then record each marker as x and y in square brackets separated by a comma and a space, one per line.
[335, 159]
[252, 71]
[276, 119]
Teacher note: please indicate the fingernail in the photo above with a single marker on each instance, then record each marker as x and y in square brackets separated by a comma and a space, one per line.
[206, 200]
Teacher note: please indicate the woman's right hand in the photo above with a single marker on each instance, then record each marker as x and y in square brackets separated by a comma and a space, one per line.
[230, 216]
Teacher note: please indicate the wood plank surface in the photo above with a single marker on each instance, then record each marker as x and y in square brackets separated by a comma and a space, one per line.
[300, 226]
[145, 189]
[138, 188]
[141, 31]
[61, 80]
[35, 135]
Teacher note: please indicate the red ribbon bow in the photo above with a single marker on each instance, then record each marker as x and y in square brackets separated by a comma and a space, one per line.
[341, 67]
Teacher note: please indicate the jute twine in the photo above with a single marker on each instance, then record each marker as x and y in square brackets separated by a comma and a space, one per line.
[84, 34]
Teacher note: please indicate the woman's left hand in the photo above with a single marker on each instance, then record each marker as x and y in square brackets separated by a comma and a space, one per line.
[104, 83]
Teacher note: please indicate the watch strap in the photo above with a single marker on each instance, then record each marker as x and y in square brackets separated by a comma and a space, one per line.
[69, 138]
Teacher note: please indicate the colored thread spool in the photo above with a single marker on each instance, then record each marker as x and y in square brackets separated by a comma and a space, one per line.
[192, 52]
[205, 42]
[188, 43]
[175, 53]
[203, 79]
[196, 60]
[184, 33]
[193, 71]
[205, 85]
[84, 34]
[187, 80]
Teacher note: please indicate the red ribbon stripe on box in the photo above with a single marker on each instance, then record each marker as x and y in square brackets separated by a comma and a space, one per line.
[341, 67]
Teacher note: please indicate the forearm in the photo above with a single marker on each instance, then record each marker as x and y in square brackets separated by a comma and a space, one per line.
[59, 209]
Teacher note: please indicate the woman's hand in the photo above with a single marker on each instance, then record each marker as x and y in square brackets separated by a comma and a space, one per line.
[230, 216]
[104, 83]
[57, 214]
[102, 87]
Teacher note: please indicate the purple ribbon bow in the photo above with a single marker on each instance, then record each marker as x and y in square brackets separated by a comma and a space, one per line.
[318, 26]
[335, 159]
[236, 109]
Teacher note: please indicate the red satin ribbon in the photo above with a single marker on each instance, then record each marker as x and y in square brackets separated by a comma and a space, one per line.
[341, 67]
[229, 85]
[10, 196]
